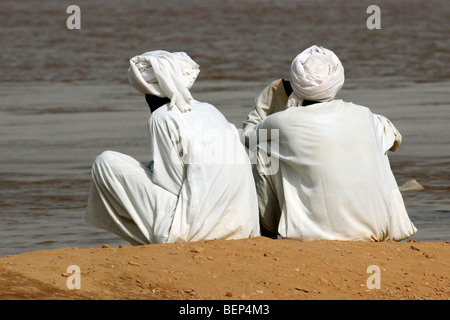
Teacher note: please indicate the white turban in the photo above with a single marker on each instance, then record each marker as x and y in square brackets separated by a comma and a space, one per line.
[164, 74]
[317, 75]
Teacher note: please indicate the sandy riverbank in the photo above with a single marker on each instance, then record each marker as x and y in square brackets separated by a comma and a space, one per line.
[259, 268]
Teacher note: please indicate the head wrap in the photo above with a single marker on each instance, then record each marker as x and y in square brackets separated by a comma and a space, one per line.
[317, 75]
[164, 74]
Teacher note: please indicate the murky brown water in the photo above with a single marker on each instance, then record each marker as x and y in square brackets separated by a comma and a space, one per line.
[64, 95]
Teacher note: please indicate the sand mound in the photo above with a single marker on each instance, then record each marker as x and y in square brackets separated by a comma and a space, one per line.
[254, 269]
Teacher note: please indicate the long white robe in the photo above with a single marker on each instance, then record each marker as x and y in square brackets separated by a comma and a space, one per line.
[197, 186]
[333, 179]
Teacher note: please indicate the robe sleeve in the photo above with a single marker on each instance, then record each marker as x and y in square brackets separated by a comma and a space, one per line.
[166, 152]
[272, 98]
[388, 136]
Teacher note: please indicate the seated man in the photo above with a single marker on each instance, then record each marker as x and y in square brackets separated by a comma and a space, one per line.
[333, 179]
[198, 184]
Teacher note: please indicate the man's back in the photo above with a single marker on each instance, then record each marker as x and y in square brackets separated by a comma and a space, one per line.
[198, 156]
[334, 180]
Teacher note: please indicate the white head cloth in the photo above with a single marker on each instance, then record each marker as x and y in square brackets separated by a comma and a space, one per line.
[164, 74]
[317, 75]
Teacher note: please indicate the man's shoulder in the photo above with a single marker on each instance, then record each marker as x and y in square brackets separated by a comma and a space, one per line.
[160, 114]
[335, 106]
[351, 106]
[165, 114]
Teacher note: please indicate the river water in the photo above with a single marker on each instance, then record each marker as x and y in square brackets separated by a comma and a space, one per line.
[64, 95]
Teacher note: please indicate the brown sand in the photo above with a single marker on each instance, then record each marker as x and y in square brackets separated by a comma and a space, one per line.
[254, 269]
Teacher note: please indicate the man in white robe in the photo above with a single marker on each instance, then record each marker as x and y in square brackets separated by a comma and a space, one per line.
[198, 184]
[332, 178]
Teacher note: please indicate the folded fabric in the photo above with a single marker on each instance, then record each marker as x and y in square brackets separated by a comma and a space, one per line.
[316, 74]
[164, 74]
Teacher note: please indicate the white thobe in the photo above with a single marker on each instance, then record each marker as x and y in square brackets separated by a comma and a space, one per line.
[332, 178]
[197, 186]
